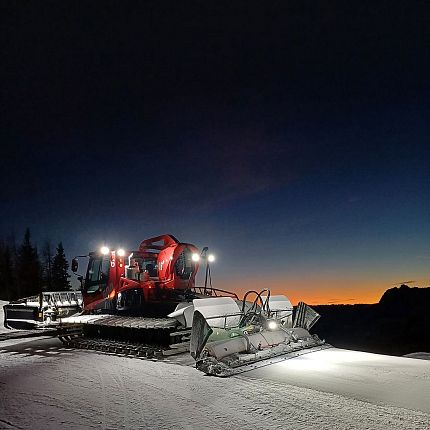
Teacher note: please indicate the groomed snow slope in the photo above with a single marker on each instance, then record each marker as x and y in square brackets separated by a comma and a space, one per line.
[376, 378]
[45, 386]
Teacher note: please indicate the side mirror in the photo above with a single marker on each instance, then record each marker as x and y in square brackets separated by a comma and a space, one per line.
[75, 265]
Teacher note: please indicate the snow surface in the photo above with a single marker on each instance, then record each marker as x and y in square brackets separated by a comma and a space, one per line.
[46, 386]
[375, 378]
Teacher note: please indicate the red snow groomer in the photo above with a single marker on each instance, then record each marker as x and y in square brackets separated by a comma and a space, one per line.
[159, 274]
[128, 296]
[146, 303]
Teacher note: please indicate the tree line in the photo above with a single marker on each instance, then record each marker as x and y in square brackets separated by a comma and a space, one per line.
[25, 271]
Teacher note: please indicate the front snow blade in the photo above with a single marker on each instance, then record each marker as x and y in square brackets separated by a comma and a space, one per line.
[199, 334]
[20, 317]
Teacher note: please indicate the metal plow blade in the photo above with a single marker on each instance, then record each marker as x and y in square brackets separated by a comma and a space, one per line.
[259, 338]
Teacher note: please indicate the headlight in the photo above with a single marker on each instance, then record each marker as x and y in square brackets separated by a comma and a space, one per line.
[272, 325]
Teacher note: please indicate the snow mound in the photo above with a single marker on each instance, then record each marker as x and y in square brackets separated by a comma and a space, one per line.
[419, 355]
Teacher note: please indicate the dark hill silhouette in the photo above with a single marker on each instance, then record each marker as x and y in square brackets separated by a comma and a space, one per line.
[405, 296]
[399, 324]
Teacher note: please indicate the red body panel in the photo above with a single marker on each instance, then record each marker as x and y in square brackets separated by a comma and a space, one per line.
[170, 270]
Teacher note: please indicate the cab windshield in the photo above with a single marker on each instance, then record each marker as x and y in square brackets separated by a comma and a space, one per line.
[97, 274]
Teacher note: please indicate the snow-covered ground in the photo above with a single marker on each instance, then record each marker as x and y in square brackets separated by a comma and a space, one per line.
[46, 386]
[376, 378]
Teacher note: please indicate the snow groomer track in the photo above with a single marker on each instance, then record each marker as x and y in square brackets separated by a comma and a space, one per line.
[138, 336]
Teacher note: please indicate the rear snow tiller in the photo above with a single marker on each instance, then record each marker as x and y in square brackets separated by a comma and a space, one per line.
[227, 340]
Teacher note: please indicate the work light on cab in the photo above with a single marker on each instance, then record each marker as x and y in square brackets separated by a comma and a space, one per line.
[104, 250]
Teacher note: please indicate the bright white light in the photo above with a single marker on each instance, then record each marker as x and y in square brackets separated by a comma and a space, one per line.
[120, 252]
[337, 360]
[104, 250]
[195, 257]
[273, 325]
[310, 363]
[211, 258]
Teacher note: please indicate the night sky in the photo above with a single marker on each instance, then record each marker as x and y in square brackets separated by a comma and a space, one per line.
[291, 137]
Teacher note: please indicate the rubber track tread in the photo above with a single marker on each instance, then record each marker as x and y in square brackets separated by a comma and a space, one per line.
[110, 346]
[128, 336]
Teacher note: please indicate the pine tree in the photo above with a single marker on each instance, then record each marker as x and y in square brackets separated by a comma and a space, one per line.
[12, 262]
[60, 267]
[7, 278]
[28, 268]
[3, 284]
[47, 263]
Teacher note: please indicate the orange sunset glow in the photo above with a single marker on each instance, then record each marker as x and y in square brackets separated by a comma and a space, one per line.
[322, 290]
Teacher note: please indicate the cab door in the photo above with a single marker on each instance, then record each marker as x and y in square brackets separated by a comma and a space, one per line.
[96, 281]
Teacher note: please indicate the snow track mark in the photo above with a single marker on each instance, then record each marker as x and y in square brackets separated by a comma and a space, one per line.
[94, 391]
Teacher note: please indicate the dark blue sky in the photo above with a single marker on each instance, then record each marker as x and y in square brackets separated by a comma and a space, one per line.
[290, 137]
